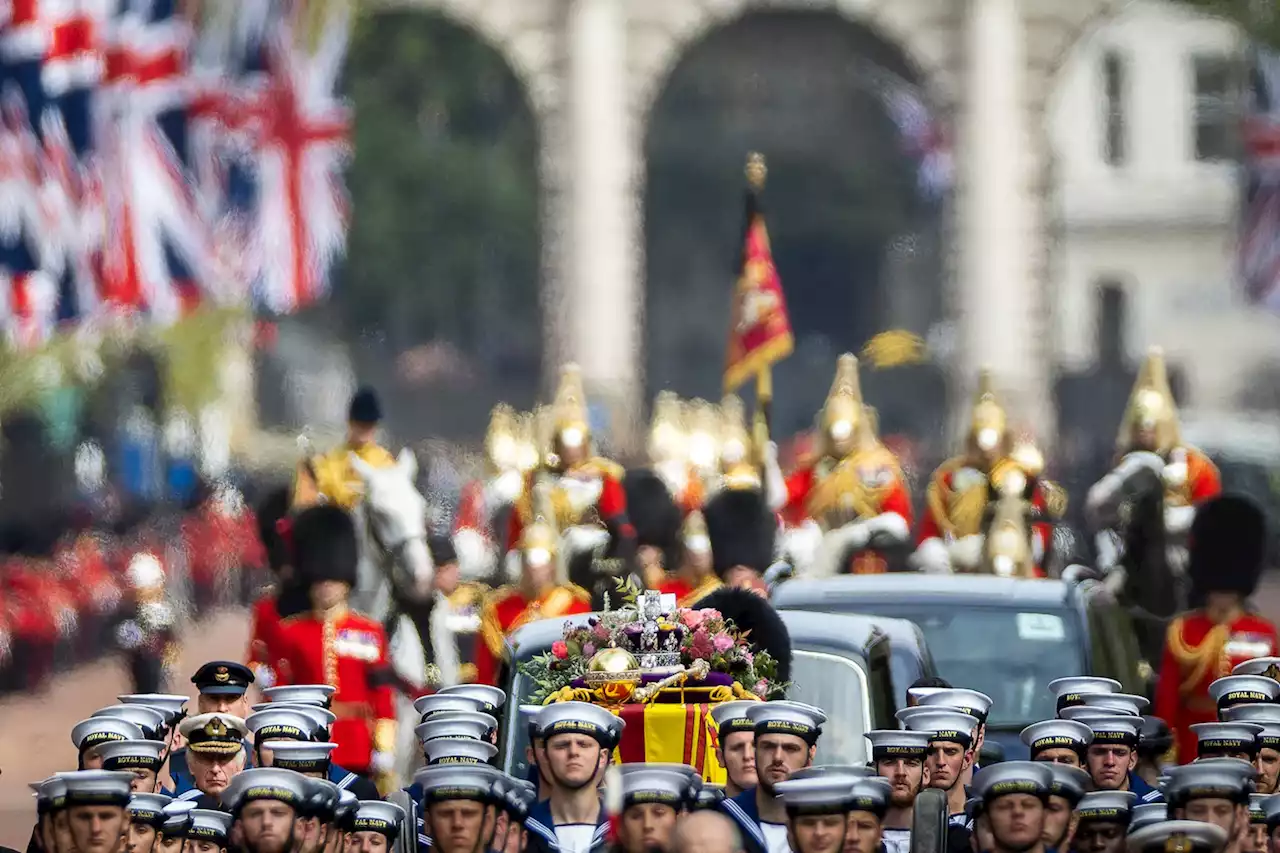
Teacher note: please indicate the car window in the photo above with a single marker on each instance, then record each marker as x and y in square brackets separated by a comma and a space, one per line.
[838, 686]
[1010, 654]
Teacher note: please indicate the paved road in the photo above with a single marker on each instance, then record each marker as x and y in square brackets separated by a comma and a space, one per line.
[35, 729]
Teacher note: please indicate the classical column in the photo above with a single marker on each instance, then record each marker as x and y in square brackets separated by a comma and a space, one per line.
[997, 216]
[603, 294]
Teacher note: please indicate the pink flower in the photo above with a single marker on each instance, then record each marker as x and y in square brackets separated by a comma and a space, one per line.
[559, 649]
[748, 657]
[762, 688]
[701, 647]
[588, 650]
[692, 618]
[708, 613]
[600, 631]
[722, 642]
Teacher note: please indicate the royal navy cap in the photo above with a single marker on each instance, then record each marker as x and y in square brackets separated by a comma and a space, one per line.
[616, 725]
[1268, 666]
[458, 750]
[223, 678]
[972, 808]
[787, 718]
[279, 724]
[428, 706]
[301, 756]
[888, 744]
[466, 782]
[1224, 778]
[1243, 689]
[347, 805]
[1116, 703]
[97, 787]
[1178, 836]
[148, 809]
[970, 702]
[1056, 734]
[1013, 777]
[944, 726]
[1145, 814]
[1271, 805]
[1117, 729]
[210, 825]
[132, 755]
[692, 777]
[172, 705]
[817, 794]
[731, 717]
[1070, 690]
[322, 799]
[1083, 714]
[177, 817]
[321, 718]
[1257, 809]
[1226, 737]
[1070, 783]
[857, 771]
[152, 721]
[1106, 805]
[915, 694]
[641, 784]
[214, 734]
[490, 698]
[98, 730]
[377, 816]
[320, 695]
[578, 718]
[514, 796]
[1266, 715]
[469, 724]
[265, 783]
[51, 794]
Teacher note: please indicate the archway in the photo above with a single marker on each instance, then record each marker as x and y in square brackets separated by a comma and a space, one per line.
[440, 285]
[834, 107]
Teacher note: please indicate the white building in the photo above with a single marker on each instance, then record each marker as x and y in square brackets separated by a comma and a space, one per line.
[1149, 197]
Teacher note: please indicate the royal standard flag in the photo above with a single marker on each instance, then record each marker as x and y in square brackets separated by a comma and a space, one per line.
[760, 332]
[670, 732]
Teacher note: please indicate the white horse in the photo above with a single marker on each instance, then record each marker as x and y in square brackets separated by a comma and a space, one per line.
[395, 563]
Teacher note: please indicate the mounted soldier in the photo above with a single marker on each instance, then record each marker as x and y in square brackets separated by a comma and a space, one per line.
[487, 503]
[669, 452]
[331, 476]
[848, 510]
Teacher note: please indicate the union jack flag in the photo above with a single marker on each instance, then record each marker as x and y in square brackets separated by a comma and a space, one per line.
[1259, 249]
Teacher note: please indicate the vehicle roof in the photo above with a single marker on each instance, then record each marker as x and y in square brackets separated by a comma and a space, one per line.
[903, 587]
[852, 631]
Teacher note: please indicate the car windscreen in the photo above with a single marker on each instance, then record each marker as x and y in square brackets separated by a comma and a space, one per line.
[835, 683]
[1011, 654]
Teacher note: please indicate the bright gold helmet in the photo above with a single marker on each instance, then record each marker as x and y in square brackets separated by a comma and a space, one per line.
[569, 411]
[1151, 408]
[502, 441]
[667, 438]
[842, 413]
[738, 463]
[988, 424]
[703, 423]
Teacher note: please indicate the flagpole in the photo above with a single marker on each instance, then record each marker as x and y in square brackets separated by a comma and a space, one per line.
[757, 173]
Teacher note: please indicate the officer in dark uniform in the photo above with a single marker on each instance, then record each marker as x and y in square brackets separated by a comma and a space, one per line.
[222, 685]
[217, 740]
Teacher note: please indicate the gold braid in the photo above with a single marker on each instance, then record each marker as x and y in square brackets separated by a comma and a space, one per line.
[1196, 660]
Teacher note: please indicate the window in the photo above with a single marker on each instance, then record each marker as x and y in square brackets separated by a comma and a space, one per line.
[838, 686]
[1114, 131]
[1215, 115]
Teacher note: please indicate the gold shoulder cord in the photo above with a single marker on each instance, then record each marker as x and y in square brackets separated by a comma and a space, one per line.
[490, 630]
[1195, 661]
[937, 502]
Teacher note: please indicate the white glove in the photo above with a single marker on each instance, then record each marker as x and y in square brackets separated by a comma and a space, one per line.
[579, 540]
[264, 677]
[932, 557]
[503, 489]
[1037, 546]
[511, 566]
[800, 545]
[382, 762]
[852, 536]
[1134, 462]
[1177, 519]
[1174, 474]
[966, 552]
[888, 524]
[475, 554]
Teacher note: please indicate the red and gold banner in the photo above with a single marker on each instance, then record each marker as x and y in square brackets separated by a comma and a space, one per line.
[760, 331]
[670, 732]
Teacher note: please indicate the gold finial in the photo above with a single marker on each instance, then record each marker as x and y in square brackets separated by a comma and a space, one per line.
[757, 171]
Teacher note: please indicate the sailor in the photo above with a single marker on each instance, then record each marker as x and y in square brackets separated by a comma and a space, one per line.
[51, 832]
[464, 724]
[374, 826]
[1228, 547]
[208, 831]
[1058, 741]
[265, 803]
[348, 804]
[95, 731]
[1272, 807]
[444, 735]
[319, 811]
[950, 751]
[459, 810]
[1014, 796]
[1069, 786]
[1102, 818]
[221, 686]
[298, 725]
[1113, 754]
[1071, 690]
[428, 707]
[899, 757]
[1184, 836]
[831, 813]
[1215, 791]
[172, 837]
[579, 738]
[1255, 840]
[971, 702]
[96, 802]
[142, 758]
[1227, 740]
[332, 644]
[1268, 741]
[513, 798]
[1146, 814]
[172, 705]
[1155, 742]
[150, 720]
[491, 698]
[652, 799]
[215, 754]
[146, 816]
[851, 503]
[1232, 690]
[331, 476]
[786, 740]
[735, 745]
[1129, 704]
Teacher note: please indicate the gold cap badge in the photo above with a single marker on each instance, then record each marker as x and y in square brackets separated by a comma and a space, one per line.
[215, 728]
[221, 674]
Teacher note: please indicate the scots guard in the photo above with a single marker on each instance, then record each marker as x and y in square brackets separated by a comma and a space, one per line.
[283, 598]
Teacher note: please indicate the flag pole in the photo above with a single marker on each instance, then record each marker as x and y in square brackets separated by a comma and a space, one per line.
[757, 173]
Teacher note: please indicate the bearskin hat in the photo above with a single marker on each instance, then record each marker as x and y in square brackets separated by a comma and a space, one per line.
[324, 545]
[273, 509]
[652, 511]
[749, 612]
[741, 530]
[1227, 546]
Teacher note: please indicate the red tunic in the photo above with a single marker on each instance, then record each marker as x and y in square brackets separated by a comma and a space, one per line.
[349, 653]
[264, 636]
[1203, 479]
[1196, 653]
[686, 595]
[611, 505]
[800, 486]
[507, 609]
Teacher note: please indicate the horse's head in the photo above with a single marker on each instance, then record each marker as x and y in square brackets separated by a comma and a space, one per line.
[397, 513]
[1008, 542]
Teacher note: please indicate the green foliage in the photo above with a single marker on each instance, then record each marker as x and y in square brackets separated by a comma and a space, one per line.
[444, 239]
[1259, 18]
